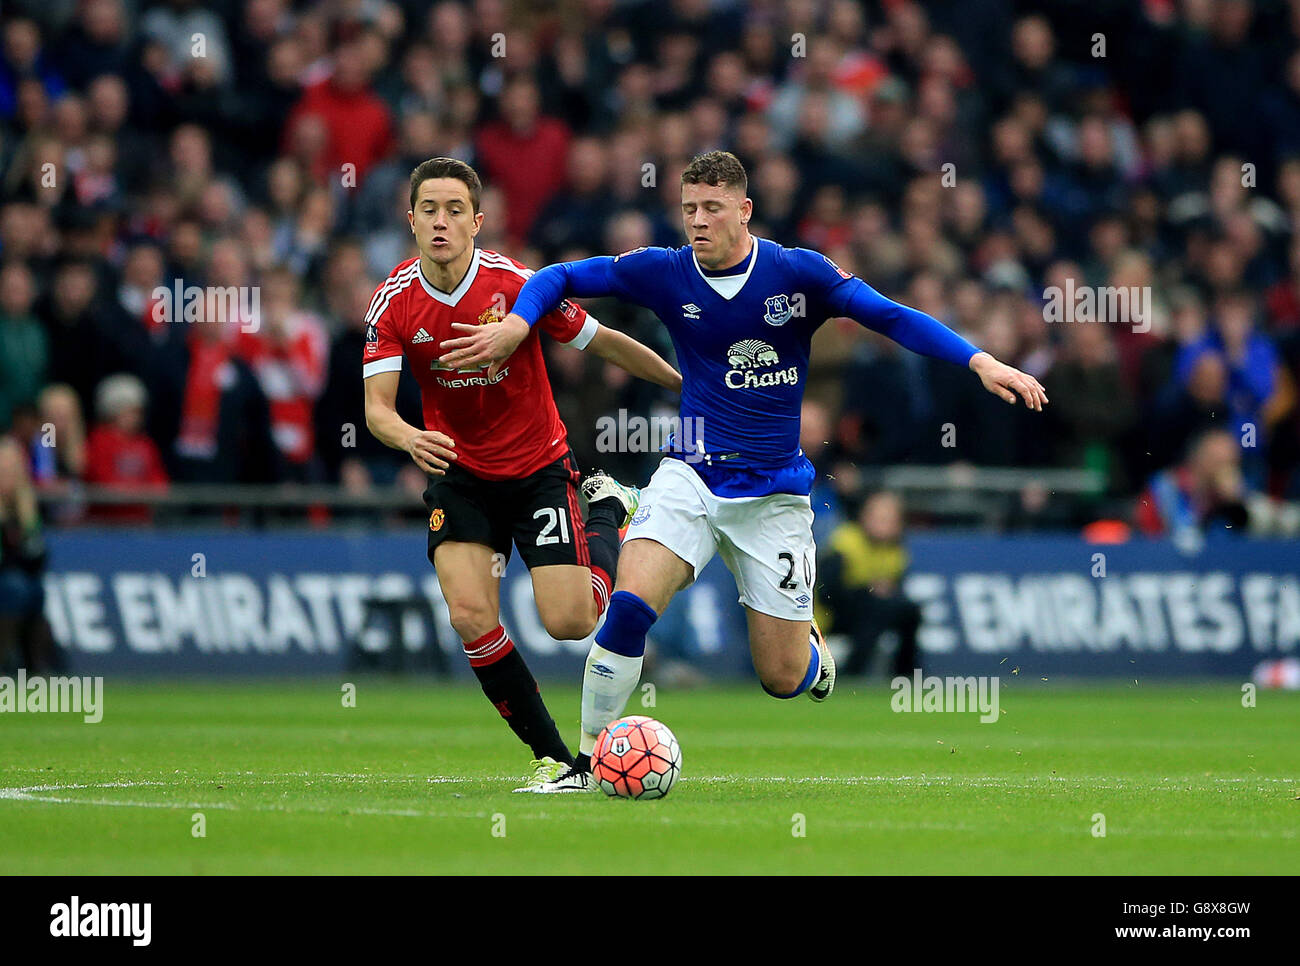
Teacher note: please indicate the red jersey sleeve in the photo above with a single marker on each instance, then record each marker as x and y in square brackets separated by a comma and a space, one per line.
[570, 324]
[383, 351]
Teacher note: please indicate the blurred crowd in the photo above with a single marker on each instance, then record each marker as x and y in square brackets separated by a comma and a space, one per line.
[963, 157]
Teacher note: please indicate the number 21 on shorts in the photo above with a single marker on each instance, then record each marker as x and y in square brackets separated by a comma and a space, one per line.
[552, 515]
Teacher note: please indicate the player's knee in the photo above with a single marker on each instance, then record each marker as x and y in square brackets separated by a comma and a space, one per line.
[783, 677]
[567, 617]
[569, 627]
[471, 619]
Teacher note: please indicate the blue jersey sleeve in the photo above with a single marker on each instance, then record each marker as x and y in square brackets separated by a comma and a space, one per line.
[627, 276]
[847, 295]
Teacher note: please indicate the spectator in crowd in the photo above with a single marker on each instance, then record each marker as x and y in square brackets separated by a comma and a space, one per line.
[357, 127]
[287, 353]
[419, 141]
[1206, 492]
[97, 42]
[582, 209]
[109, 105]
[523, 131]
[24, 349]
[23, 57]
[119, 453]
[1095, 408]
[225, 422]
[1251, 365]
[815, 435]
[25, 639]
[352, 456]
[80, 348]
[63, 437]
[861, 573]
[1187, 409]
[179, 25]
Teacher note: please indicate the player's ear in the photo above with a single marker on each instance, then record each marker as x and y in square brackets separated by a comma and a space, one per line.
[478, 223]
[410, 219]
[746, 210]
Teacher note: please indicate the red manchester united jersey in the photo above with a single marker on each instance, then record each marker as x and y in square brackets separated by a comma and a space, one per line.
[506, 427]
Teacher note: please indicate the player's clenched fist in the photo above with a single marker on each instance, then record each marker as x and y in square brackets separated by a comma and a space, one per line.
[1007, 382]
[431, 451]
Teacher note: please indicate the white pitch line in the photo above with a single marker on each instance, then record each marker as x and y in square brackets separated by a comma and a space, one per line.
[32, 794]
[39, 794]
[973, 781]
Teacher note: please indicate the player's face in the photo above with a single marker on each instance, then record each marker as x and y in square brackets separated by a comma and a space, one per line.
[714, 219]
[443, 219]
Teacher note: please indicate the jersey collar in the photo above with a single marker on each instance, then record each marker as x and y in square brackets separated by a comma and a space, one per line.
[729, 286]
[454, 296]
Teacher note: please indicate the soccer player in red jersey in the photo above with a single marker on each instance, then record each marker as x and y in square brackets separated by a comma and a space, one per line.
[497, 455]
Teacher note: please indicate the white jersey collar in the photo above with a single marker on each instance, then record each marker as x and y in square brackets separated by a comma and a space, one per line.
[454, 296]
[729, 286]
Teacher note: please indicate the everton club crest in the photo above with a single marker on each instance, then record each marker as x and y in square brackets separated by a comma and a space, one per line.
[778, 310]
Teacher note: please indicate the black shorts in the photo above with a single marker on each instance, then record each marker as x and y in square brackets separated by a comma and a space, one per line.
[538, 513]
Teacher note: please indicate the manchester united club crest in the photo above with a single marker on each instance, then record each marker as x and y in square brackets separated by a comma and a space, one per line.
[435, 520]
[491, 314]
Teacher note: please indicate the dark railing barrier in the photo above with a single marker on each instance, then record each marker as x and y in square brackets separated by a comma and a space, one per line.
[955, 494]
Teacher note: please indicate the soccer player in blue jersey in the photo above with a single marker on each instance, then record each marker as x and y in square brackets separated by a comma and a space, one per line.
[741, 312]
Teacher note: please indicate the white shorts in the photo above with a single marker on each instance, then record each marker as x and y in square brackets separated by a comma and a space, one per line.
[765, 541]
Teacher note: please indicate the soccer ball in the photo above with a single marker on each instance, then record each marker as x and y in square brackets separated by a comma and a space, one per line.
[636, 757]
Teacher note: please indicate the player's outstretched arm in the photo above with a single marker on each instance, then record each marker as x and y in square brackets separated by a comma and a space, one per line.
[490, 345]
[431, 451]
[639, 360]
[926, 335]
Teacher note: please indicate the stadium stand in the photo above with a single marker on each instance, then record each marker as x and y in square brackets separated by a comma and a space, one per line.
[965, 158]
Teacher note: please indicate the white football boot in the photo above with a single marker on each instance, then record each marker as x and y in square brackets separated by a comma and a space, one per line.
[544, 770]
[600, 485]
[570, 780]
[825, 684]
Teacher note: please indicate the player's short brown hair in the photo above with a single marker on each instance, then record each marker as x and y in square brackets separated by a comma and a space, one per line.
[722, 169]
[446, 168]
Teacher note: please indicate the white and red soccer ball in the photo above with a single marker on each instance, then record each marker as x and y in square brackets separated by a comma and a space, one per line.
[636, 757]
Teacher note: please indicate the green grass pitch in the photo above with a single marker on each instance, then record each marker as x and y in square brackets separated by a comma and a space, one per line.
[417, 778]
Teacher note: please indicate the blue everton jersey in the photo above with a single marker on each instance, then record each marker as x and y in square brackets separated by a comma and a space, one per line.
[742, 342]
[742, 339]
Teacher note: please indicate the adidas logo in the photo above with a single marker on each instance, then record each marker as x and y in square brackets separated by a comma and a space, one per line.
[421, 336]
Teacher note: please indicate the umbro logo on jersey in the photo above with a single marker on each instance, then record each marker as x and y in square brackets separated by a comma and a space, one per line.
[421, 336]
[691, 311]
